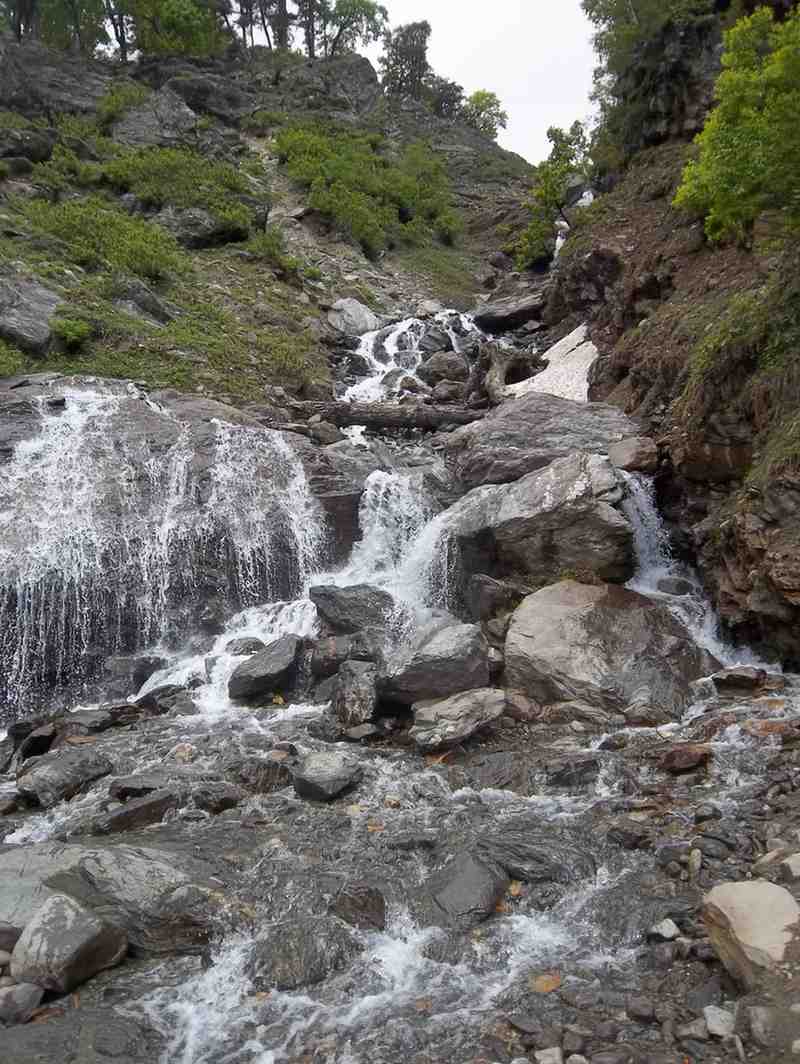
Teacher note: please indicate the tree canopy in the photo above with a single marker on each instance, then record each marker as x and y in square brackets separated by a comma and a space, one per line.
[484, 111]
[749, 150]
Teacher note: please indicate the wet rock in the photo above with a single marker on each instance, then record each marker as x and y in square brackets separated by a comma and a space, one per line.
[486, 597]
[137, 813]
[464, 893]
[720, 1022]
[245, 645]
[507, 314]
[84, 1035]
[356, 696]
[352, 318]
[61, 775]
[551, 521]
[448, 392]
[9, 934]
[126, 673]
[750, 925]
[64, 944]
[443, 366]
[17, 1005]
[637, 454]
[630, 835]
[573, 771]
[215, 796]
[526, 434]
[601, 644]
[262, 775]
[441, 724]
[270, 671]
[739, 678]
[162, 900]
[38, 742]
[451, 659]
[331, 653]
[527, 853]
[685, 757]
[641, 1009]
[674, 585]
[667, 930]
[301, 952]
[361, 905]
[26, 309]
[346, 610]
[322, 776]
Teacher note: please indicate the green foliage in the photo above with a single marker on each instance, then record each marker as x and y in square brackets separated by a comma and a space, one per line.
[98, 235]
[72, 333]
[568, 156]
[182, 178]
[11, 120]
[64, 168]
[262, 121]
[342, 25]
[4, 170]
[185, 27]
[71, 24]
[749, 160]
[376, 201]
[483, 111]
[12, 360]
[120, 98]
[270, 246]
[404, 63]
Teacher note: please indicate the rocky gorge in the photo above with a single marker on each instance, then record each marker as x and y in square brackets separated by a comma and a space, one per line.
[383, 717]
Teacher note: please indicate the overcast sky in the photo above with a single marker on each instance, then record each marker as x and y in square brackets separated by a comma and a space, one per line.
[535, 54]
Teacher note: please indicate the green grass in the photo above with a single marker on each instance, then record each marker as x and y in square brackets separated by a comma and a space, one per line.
[11, 120]
[12, 360]
[377, 200]
[120, 98]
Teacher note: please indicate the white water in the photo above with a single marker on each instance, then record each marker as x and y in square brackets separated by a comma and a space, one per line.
[104, 533]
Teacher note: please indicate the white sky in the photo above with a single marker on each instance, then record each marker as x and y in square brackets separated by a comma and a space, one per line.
[535, 54]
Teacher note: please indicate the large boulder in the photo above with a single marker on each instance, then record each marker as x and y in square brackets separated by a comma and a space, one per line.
[300, 952]
[604, 645]
[26, 308]
[61, 774]
[443, 366]
[163, 120]
[345, 610]
[163, 901]
[440, 663]
[444, 723]
[352, 318]
[559, 519]
[270, 671]
[522, 435]
[85, 1035]
[751, 925]
[196, 228]
[464, 893]
[18, 1003]
[355, 697]
[506, 314]
[65, 944]
[39, 81]
[35, 145]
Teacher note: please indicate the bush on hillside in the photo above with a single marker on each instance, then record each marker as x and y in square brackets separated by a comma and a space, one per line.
[376, 200]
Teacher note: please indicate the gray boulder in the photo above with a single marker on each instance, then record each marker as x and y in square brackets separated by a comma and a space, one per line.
[559, 518]
[33, 145]
[636, 454]
[271, 670]
[352, 318]
[522, 435]
[137, 813]
[18, 1003]
[356, 695]
[443, 366]
[445, 723]
[506, 314]
[60, 775]
[348, 609]
[324, 775]
[245, 645]
[65, 944]
[329, 654]
[440, 663]
[85, 1035]
[196, 228]
[301, 952]
[163, 120]
[26, 308]
[525, 852]
[604, 645]
[464, 893]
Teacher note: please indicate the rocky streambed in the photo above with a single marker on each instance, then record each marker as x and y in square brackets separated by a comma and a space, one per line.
[331, 746]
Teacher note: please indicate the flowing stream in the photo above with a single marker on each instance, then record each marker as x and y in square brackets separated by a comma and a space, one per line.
[69, 580]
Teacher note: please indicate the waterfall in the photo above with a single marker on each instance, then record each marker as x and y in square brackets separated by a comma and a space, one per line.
[115, 521]
[660, 576]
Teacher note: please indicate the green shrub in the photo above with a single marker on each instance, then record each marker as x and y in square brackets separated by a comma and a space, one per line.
[270, 246]
[262, 121]
[375, 200]
[12, 360]
[182, 178]
[73, 333]
[11, 120]
[100, 235]
[4, 171]
[64, 168]
[119, 99]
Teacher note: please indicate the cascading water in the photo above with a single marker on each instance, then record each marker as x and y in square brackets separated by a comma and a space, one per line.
[113, 519]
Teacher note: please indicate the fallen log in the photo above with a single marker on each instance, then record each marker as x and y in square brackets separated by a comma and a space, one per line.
[427, 417]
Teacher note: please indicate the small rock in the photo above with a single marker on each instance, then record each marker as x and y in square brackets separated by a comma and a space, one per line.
[739, 678]
[9, 936]
[355, 697]
[762, 1024]
[636, 454]
[696, 1030]
[790, 868]
[19, 1002]
[549, 1056]
[322, 776]
[270, 670]
[667, 930]
[641, 1009]
[244, 646]
[720, 1022]
[361, 905]
[439, 724]
[686, 757]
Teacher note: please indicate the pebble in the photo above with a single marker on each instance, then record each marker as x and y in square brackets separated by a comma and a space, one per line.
[549, 1056]
[667, 930]
[697, 1030]
[720, 1022]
